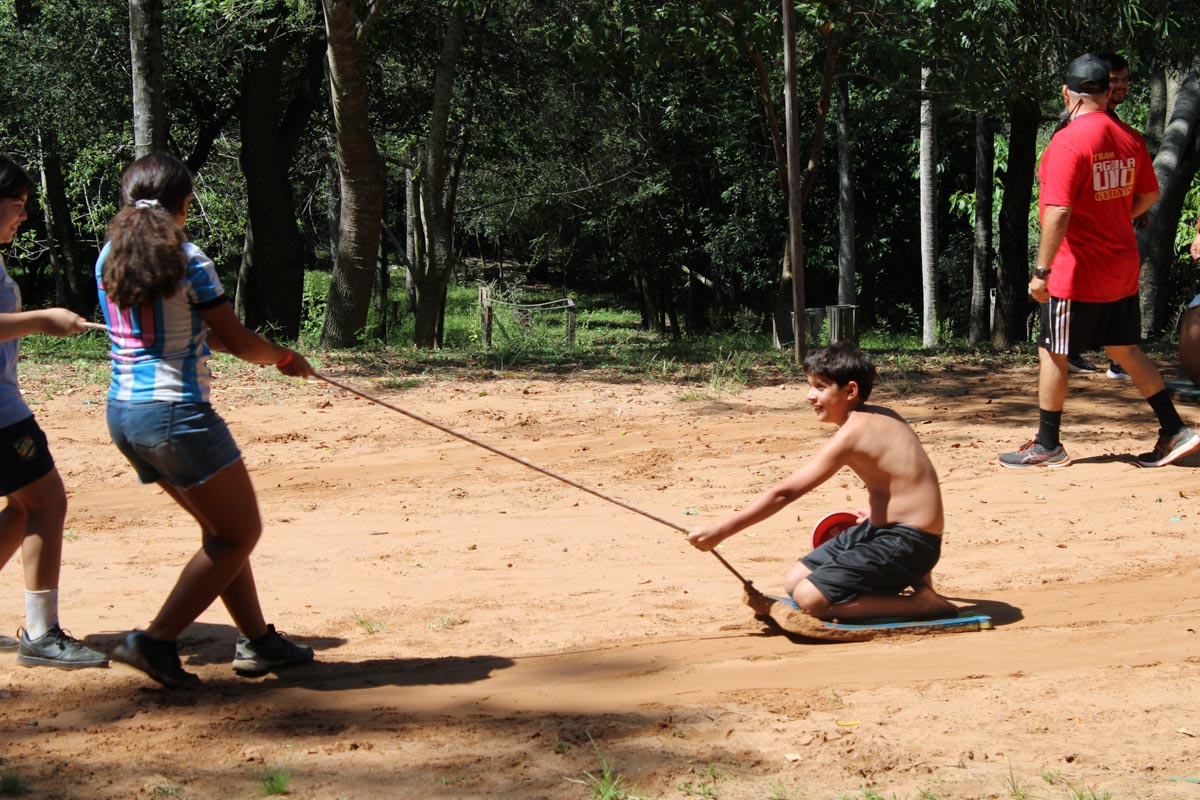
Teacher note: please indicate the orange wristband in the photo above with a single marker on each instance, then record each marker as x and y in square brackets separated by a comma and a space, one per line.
[283, 362]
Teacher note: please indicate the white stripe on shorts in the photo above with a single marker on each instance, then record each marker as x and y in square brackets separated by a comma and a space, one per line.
[1060, 325]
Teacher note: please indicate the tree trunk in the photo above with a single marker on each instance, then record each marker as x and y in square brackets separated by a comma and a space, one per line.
[270, 288]
[981, 262]
[1156, 119]
[74, 281]
[847, 257]
[146, 47]
[360, 182]
[928, 169]
[1174, 165]
[1012, 280]
[435, 265]
[791, 115]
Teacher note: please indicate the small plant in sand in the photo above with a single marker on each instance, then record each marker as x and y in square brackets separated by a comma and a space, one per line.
[399, 383]
[167, 789]
[369, 626]
[444, 623]
[274, 780]
[706, 785]
[781, 791]
[1013, 786]
[604, 784]
[12, 784]
[1083, 793]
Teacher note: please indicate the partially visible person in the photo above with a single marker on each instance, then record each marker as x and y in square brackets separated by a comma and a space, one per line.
[1189, 325]
[1096, 175]
[1118, 90]
[36, 507]
[165, 306]
[1189, 339]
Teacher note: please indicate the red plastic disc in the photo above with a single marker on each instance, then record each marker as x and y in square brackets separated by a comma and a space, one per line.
[831, 525]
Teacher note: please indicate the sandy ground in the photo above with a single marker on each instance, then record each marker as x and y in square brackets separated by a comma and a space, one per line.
[485, 631]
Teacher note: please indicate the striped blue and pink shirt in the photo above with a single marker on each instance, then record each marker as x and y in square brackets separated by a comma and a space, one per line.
[158, 349]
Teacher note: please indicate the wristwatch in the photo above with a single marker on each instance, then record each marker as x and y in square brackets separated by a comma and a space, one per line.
[1041, 272]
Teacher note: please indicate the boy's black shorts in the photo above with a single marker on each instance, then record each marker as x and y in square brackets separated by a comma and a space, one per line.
[867, 560]
[24, 455]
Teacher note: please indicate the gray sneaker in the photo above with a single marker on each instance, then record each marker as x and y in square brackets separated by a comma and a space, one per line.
[8, 644]
[1170, 448]
[1033, 454]
[269, 651]
[56, 648]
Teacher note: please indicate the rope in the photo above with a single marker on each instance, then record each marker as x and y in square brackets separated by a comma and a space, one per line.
[551, 305]
[531, 465]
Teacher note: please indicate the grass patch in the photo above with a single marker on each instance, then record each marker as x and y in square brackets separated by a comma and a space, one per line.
[444, 623]
[12, 784]
[604, 783]
[167, 789]
[274, 780]
[369, 626]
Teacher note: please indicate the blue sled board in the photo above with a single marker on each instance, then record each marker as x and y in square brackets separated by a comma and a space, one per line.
[973, 622]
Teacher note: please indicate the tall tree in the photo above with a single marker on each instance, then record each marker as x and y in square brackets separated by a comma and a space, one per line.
[271, 276]
[146, 47]
[1174, 166]
[981, 251]
[360, 175]
[928, 193]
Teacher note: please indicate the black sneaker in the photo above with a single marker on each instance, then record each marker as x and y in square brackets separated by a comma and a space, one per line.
[1170, 448]
[268, 652]
[1077, 364]
[156, 658]
[1033, 454]
[8, 644]
[56, 648]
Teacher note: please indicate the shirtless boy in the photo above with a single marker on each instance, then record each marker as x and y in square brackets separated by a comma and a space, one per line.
[861, 573]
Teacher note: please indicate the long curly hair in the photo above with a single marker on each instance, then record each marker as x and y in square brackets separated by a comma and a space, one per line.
[145, 259]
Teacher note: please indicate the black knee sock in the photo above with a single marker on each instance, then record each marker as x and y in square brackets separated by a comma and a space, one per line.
[1049, 423]
[1164, 409]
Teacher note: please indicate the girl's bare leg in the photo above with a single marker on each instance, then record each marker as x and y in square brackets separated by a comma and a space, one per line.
[33, 522]
[227, 510]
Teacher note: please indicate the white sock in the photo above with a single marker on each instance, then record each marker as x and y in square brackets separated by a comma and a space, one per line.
[41, 611]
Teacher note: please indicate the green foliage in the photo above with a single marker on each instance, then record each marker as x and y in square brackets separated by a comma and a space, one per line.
[274, 780]
[605, 783]
[12, 784]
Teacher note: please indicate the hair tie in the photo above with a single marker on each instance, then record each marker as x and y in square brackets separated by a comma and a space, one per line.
[147, 203]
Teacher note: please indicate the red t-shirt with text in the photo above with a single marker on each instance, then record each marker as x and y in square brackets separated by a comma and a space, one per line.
[1096, 165]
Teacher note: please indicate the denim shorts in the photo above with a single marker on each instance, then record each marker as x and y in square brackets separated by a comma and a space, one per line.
[24, 456]
[183, 444]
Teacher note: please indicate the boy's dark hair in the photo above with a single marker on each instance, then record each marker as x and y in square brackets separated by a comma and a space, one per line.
[1116, 62]
[14, 181]
[145, 259]
[842, 362]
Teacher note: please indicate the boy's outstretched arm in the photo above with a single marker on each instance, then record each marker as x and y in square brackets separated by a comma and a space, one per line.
[825, 462]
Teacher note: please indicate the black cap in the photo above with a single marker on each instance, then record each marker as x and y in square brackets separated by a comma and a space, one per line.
[1088, 74]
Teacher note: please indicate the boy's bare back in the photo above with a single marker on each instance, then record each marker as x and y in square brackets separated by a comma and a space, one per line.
[884, 451]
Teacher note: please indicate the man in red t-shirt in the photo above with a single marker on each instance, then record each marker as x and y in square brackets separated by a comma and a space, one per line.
[1096, 176]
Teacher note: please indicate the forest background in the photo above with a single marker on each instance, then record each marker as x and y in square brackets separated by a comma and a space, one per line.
[357, 162]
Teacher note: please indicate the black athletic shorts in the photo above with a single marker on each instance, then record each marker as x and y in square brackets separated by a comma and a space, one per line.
[24, 455]
[867, 560]
[1072, 326]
